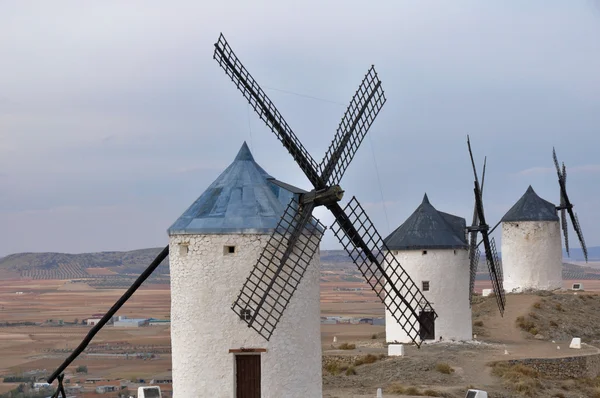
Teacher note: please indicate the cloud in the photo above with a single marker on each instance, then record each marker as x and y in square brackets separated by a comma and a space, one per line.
[122, 101]
[590, 168]
[195, 169]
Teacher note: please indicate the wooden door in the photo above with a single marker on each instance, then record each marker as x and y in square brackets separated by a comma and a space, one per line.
[427, 325]
[247, 376]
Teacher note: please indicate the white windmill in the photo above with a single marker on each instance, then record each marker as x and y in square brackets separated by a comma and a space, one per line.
[531, 243]
[213, 247]
[432, 247]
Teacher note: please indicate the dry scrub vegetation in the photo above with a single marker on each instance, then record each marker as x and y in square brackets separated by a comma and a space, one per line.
[397, 388]
[562, 317]
[526, 382]
[337, 367]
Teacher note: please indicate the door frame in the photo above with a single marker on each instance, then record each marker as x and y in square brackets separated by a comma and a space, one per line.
[245, 351]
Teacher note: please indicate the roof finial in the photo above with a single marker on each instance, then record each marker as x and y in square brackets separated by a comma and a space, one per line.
[426, 199]
[244, 153]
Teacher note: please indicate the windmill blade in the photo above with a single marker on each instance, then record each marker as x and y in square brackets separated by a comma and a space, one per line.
[556, 164]
[387, 278]
[563, 224]
[565, 203]
[577, 229]
[279, 270]
[474, 255]
[563, 213]
[362, 111]
[491, 254]
[495, 269]
[265, 109]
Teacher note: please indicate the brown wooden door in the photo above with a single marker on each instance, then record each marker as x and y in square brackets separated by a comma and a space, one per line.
[247, 376]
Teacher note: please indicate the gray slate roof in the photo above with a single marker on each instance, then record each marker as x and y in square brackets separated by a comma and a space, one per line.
[243, 199]
[428, 228]
[531, 208]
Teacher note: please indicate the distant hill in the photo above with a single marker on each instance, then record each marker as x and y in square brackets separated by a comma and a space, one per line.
[577, 253]
[129, 264]
[85, 265]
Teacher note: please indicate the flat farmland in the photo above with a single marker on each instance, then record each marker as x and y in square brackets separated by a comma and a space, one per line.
[27, 348]
[45, 346]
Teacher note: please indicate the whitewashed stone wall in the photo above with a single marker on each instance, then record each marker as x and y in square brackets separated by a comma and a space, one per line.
[204, 284]
[448, 274]
[531, 255]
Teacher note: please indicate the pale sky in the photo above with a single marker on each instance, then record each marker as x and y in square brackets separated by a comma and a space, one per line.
[114, 117]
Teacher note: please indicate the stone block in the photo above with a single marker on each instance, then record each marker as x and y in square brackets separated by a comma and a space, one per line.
[395, 350]
[575, 343]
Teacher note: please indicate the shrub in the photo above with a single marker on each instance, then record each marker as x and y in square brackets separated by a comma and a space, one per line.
[374, 336]
[444, 368]
[553, 324]
[524, 324]
[533, 315]
[478, 323]
[350, 371]
[412, 391]
[333, 368]
[432, 393]
[81, 369]
[396, 388]
[537, 305]
[559, 307]
[367, 359]
[533, 331]
[346, 346]
[518, 377]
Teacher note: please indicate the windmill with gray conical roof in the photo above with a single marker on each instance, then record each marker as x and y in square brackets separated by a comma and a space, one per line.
[213, 246]
[531, 245]
[531, 242]
[432, 246]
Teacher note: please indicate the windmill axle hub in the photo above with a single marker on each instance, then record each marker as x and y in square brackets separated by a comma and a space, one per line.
[564, 207]
[323, 197]
[478, 228]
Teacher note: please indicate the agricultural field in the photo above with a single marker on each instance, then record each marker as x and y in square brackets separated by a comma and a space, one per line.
[41, 323]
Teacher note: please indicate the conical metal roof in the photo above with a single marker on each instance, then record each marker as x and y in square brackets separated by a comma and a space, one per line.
[531, 208]
[243, 199]
[428, 228]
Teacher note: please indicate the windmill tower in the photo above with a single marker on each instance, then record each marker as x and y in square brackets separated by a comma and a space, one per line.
[213, 246]
[432, 247]
[531, 244]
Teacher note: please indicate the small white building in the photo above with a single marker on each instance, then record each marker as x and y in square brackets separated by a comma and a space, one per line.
[213, 247]
[531, 245]
[131, 323]
[432, 247]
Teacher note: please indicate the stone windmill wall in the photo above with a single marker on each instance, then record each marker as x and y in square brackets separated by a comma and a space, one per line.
[432, 247]
[213, 247]
[531, 245]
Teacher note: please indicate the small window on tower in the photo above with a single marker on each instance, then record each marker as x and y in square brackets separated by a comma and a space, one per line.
[245, 314]
[425, 286]
[228, 250]
[183, 249]
[424, 252]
